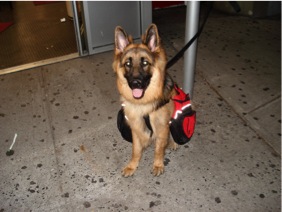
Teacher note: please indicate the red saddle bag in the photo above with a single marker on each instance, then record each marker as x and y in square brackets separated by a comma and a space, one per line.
[183, 120]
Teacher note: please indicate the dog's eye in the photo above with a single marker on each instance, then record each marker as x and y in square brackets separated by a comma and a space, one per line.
[145, 63]
[128, 64]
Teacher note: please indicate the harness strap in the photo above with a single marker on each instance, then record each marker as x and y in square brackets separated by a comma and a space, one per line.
[182, 122]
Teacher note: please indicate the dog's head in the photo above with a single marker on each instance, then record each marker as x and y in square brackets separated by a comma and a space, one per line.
[140, 67]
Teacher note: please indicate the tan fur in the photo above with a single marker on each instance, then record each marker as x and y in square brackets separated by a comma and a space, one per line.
[136, 109]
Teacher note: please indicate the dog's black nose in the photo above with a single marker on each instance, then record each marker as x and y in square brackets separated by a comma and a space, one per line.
[136, 83]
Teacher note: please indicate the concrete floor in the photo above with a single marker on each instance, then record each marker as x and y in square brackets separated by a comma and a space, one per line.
[69, 154]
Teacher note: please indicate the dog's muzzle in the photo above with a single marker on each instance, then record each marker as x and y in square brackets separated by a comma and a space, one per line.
[138, 87]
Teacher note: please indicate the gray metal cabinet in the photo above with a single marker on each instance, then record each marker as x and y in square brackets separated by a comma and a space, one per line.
[101, 17]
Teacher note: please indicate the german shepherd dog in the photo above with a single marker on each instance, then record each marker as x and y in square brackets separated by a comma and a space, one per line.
[146, 90]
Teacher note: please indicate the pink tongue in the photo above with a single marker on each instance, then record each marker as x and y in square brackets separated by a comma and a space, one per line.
[137, 93]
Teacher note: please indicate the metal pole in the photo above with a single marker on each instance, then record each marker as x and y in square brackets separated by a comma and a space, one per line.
[192, 22]
[77, 28]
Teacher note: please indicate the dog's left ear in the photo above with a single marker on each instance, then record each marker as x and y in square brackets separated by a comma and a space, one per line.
[121, 39]
[152, 39]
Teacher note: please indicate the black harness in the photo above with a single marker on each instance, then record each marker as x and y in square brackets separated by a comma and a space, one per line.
[181, 125]
[125, 129]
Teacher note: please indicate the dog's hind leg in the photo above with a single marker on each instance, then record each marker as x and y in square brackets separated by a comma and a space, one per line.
[172, 145]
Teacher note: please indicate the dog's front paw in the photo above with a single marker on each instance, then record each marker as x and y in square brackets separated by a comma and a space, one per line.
[128, 171]
[158, 170]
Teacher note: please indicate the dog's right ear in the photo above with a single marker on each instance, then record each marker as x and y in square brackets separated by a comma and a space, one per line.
[152, 39]
[121, 39]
